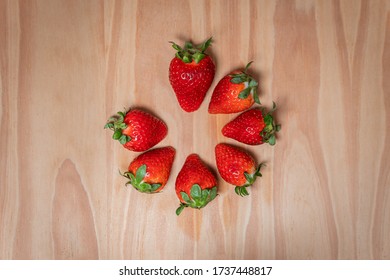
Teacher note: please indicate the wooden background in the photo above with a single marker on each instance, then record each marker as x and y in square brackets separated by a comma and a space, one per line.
[66, 66]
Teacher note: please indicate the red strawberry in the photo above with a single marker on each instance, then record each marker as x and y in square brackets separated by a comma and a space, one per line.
[149, 172]
[236, 167]
[137, 130]
[195, 185]
[253, 127]
[234, 93]
[191, 73]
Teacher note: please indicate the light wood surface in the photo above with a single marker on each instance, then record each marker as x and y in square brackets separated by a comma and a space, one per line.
[66, 66]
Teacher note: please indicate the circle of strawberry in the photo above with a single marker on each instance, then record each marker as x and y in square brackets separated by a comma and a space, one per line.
[234, 93]
[195, 184]
[137, 130]
[236, 167]
[149, 172]
[191, 73]
[253, 127]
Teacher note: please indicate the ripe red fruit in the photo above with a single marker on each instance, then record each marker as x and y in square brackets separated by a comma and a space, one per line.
[191, 73]
[149, 172]
[234, 93]
[137, 130]
[236, 167]
[195, 185]
[253, 127]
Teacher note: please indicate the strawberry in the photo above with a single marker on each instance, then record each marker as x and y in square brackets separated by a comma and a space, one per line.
[149, 172]
[195, 185]
[236, 167]
[253, 127]
[137, 130]
[191, 73]
[234, 93]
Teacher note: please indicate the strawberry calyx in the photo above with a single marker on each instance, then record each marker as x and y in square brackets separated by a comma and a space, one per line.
[250, 84]
[250, 179]
[137, 180]
[191, 52]
[268, 133]
[116, 124]
[198, 198]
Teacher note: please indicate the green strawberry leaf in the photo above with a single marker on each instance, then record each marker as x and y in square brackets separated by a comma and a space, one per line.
[123, 139]
[196, 191]
[175, 46]
[188, 45]
[121, 116]
[179, 55]
[155, 187]
[187, 59]
[257, 173]
[241, 190]
[109, 125]
[180, 209]
[129, 176]
[253, 83]
[244, 191]
[256, 96]
[144, 187]
[238, 79]
[117, 134]
[268, 119]
[121, 125]
[272, 140]
[185, 197]
[203, 47]
[140, 174]
[244, 93]
[113, 119]
[213, 193]
[198, 57]
[248, 178]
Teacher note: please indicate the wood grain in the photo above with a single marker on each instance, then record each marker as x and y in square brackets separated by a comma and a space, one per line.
[66, 66]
